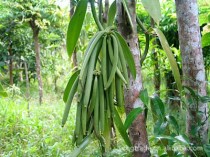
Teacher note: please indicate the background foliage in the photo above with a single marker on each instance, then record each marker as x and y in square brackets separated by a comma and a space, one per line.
[27, 129]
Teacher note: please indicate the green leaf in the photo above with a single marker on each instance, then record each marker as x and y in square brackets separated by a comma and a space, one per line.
[132, 116]
[69, 85]
[128, 13]
[144, 97]
[69, 101]
[153, 8]
[171, 58]
[182, 139]
[75, 26]
[194, 95]
[173, 122]
[1, 88]
[203, 19]
[197, 97]
[121, 128]
[2, 92]
[157, 108]
[77, 151]
[205, 99]
[165, 137]
[112, 13]
[160, 127]
[128, 55]
[207, 149]
[206, 40]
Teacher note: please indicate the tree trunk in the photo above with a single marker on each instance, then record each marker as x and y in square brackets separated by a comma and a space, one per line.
[156, 77]
[193, 70]
[21, 72]
[38, 62]
[137, 131]
[27, 87]
[10, 65]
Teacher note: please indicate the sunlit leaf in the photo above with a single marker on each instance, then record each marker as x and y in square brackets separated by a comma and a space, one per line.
[171, 58]
[206, 40]
[182, 139]
[164, 137]
[75, 26]
[2, 91]
[153, 8]
[144, 96]
[132, 116]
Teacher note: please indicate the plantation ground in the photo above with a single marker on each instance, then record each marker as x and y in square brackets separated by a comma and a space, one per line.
[38, 133]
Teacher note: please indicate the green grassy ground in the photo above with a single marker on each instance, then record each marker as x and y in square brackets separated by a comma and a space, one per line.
[37, 132]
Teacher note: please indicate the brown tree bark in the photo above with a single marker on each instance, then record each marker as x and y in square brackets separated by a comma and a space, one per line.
[36, 30]
[11, 82]
[193, 70]
[137, 131]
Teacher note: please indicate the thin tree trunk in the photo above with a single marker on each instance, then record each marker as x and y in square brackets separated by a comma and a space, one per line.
[38, 62]
[193, 70]
[21, 72]
[27, 87]
[74, 56]
[38, 66]
[55, 84]
[156, 77]
[137, 131]
[10, 65]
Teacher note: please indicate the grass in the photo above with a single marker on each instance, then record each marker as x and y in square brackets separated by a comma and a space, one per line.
[37, 132]
[34, 133]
